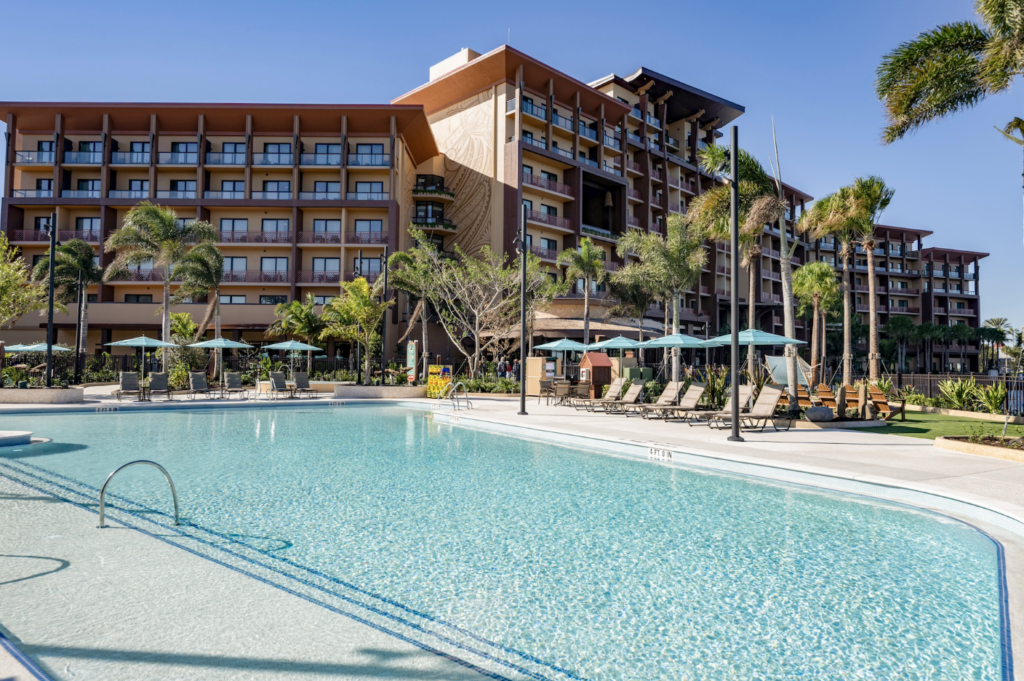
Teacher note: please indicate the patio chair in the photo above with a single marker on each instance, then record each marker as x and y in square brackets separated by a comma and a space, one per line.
[763, 411]
[197, 385]
[631, 397]
[827, 397]
[668, 398]
[233, 386]
[129, 385]
[158, 385]
[803, 398]
[580, 391]
[302, 385]
[706, 417]
[561, 393]
[614, 391]
[279, 386]
[881, 402]
[690, 400]
[546, 389]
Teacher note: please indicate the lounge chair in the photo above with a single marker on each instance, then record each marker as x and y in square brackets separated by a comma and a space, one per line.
[709, 417]
[614, 392]
[668, 398]
[233, 386]
[279, 386]
[562, 393]
[158, 385]
[691, 398]
[302, 385]
[763, 411]
[619, 406]
[580, 391]
[803, 398]
[129, 386]
[827, 397]
[881, 402]
[197, 385]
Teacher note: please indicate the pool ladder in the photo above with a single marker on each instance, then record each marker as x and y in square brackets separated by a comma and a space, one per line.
[452, 393]
[174, 492]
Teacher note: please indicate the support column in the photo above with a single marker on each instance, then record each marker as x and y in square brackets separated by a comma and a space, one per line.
[296, 151]
[58, 155]
[200, 159]
[154, 144]
[11, 140]
[105, 163]
[344, 162]
[519, 103]
[550, 113]
[248, 156]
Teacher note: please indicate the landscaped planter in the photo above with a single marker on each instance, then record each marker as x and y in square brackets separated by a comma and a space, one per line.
[966, 414]
[980, 449]
[42, 395]
[390, 392]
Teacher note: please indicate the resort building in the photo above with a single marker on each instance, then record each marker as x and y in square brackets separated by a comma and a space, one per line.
[305, 196]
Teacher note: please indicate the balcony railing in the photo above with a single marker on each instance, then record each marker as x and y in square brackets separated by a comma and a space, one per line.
[600, 233]
[904, 291]
[589, 133]
[130, 158]
[320, 237]
[367, 196]
[634, 166]
[223, 195]
[510, 105]
[545, 253]
[533, 141]
[770, 252]
[635, 113]
[774, 276]
[178, 158]
[549, 185]
[254, 237]
[319, 277]
[552, 220]
[535, 110]
[585, 161]
[257, 276]
[320, 159]
[903, 310]
[272, 196]
[370, 277]
[656, 175]
[34, 157]
[80, 193]
[771, 298]
[320, 196]
[432, 185]
[722, 269]
[613, 142]
[676, 208]
[433, 222]
[86, 157]
[962, 311]
[140, 275]
[614, 171]
[611, 266]
[633, 193]
[219, 158]
[379, 160]
[562, 122]
[33, 193]
[368, 237]
[175, 194]
[636, 139]
[136, 194]
[651, 120]
[671, 141]
[273, 159]
[632, 221]
[567, 153]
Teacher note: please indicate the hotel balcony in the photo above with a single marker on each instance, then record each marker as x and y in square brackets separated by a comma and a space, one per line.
[370, 160]
[223, 195]
[139, 275]
[32, 193]
[256, 277]
[130, 158]
[42, 236]
[771, 298]
[365, 196]
[538, 182]
[254, 237]
[133, 194]
[218, 158]
[544, 253]
[613, 142]
[634, 139]
[634, 167]
[430, 223]
[178, 158]
[80, 193]
[963, 312]
[370, 277]
[272, 196]
[671, 142]
[598, 233]
[552, 221]
[319, 277]
[92, 158]
[583, 159]
[34, 157]
[633, 195]
[175, 194]
[633, 221]
[319, 196]
[896, 309]
[329, 160]
[562, 122]
[368, 238]
[535, 110]
[275, 159]
[587, 133]
[433, 186]
[534, 142]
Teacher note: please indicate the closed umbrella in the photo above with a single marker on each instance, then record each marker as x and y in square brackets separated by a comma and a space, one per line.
[219, 344]
[140, 342]
[293, 345]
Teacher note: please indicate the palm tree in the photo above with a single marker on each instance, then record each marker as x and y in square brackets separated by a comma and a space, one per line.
[633, 296]
[201, 273]
[355, 316]
[1000, 328]
[586, 263]
[155, 234]
[669, 265]
[298, 319]
[815, 284]
[414, 271]
[759, 205]
[951, 68]
[72, 260]
[944, 334]
[872, 197]
[924, 334]
[963, 334]
[900, 329]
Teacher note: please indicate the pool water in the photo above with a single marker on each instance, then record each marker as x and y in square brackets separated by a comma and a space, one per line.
[532, 560]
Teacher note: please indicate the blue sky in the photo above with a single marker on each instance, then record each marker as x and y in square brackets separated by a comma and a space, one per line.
[809, 64]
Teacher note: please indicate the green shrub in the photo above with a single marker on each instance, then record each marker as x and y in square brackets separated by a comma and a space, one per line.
[992, 398]
[177, 377]
[886, 386]
[916, 399]
[961, 393]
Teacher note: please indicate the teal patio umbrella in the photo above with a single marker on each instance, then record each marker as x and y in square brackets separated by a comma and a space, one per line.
[140, 342]
[619, 343]
[755, 337]
[219, 344]
[17, 347]
[562, 345]
[41, 347]
[292, 346]
[676, 340]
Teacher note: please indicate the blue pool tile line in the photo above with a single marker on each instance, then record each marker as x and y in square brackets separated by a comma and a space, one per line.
[30, 666]
[476, 646]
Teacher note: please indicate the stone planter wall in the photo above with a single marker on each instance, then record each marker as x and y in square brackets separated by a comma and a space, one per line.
[965, 414]
[979, 449]
[42, 395]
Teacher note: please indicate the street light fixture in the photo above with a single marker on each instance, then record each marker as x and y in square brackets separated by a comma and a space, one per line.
[521, 247]
[49, 308]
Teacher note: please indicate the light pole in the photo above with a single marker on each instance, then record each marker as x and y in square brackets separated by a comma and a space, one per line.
[49, 308]
[384, 329]
[522, 316]
[734, 281]
[78, 328]
[359, 358]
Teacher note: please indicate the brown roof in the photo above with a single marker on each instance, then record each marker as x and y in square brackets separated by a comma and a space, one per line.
[79, 117]
[908, 230]
[953, 251]
[596, 359]
[499, 66]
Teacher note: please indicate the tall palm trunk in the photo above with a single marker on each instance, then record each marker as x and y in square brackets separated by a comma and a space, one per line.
[675, 329]
[166, 314]
[873, 357]
[586, 311]
[751, 315]
[85, 324]
[426, 342]
[788, 323]
[847, 344]
[815, 330]
[824, 342]
[216, 326]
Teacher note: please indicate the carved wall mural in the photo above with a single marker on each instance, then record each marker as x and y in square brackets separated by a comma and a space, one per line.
[465, 135]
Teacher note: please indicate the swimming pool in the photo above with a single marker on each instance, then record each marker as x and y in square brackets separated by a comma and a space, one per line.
[530, 560]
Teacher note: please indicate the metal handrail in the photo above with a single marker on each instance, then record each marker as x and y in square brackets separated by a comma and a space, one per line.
[174, 492]
[453, 395]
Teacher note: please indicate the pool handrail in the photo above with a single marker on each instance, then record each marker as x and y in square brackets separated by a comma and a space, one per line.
[174, 492]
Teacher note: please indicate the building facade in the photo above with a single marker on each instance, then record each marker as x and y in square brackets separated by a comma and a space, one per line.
[305, 196]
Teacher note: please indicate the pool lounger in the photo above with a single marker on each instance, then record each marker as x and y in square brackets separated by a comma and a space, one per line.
[630, 398]
[689, 402]
[707, 416]
[614, 391]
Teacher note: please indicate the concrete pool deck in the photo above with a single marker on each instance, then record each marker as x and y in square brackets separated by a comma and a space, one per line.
[149, 610]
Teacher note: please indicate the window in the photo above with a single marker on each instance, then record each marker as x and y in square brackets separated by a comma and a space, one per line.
[234, 225]
[364, 226]
[529, 240]
[183, 185]
[369, 148]
[327, 148]
[327, 226]
[181, 222]
[232, 300]
[549, 210]
[277, 148]
[138, 297]
[553, 177]
[139, 147]
[271, 225]
[436, 240]
[87, 225]
[528, 136]
[368, 187]
[429, 212]
[92, 297]
[528, 170]
[138, 185]
[322, 300]
[44, 146]
[549, 244]
[232, 186]
[281, 186]
[36, 259]
[90, 146]
[327, 265]
[277, 265]
[326, 187]
[42, 224]
[366, 267]
[88, 185]
[273, 300]
[234, 264]
[234, 147]
[528, 205]
[184, 147]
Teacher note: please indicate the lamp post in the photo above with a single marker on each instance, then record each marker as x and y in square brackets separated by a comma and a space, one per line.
[359, 358]
[78, 329]
[522, 316]
[734, 281]
[49, 308]
[384, 326]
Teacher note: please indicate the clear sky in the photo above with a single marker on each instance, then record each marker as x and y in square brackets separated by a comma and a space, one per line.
[807, 63]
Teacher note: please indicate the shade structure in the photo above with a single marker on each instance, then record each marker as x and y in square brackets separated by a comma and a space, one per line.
[143, 342]
[41, 347]
[757, 337]
[617, 343]
[17, 347]
[220, 344]
[675, 340]
[291, 345]
[561, 345]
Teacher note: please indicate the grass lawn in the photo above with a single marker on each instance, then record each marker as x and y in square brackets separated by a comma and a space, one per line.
[931, 426]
